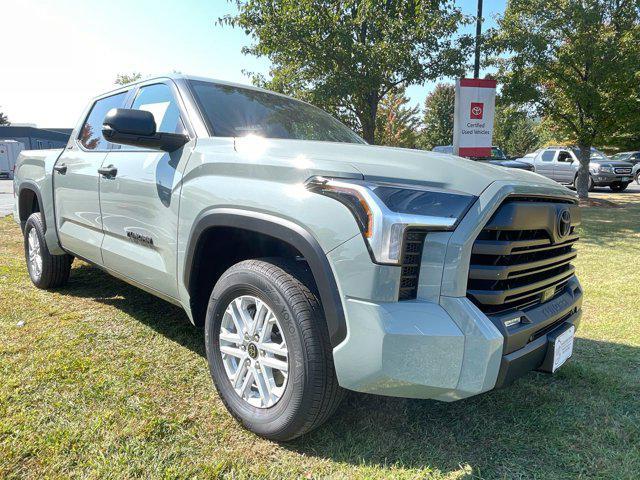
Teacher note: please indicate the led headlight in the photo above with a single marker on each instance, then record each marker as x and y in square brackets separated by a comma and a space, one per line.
[384, 211]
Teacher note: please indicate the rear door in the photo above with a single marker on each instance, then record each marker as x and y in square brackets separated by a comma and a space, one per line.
[140, 202]
[563, 168]
[544, 163]
[75, 182]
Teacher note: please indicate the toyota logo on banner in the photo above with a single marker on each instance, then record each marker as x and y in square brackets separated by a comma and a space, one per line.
[477, 109]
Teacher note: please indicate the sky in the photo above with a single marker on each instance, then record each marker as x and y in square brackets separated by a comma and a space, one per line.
[58, 54]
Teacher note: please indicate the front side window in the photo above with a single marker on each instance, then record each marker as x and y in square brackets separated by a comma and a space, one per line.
[91, 133]
[158, 99]
[565, 157]
[236, 112]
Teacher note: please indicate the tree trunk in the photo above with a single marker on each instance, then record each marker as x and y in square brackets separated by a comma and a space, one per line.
[368, 115]
[369, 131]
[584, 155]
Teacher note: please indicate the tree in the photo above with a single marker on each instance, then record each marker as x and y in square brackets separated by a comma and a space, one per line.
[515, 131]
[3, 119]
[346, 55]
[397, 123]
[438, 117]
[575, 62]
[127, 78]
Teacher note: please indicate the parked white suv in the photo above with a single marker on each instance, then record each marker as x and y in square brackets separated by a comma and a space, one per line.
[561, 164]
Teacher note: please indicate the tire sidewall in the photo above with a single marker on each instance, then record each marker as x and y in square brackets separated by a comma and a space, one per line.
[263, 421]
[33, 224]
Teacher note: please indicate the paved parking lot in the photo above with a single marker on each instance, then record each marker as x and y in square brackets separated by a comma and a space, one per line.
[6, 197]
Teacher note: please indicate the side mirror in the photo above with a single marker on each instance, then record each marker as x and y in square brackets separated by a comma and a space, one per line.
[138, 128]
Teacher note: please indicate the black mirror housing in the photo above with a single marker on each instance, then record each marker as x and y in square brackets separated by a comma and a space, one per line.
[138, 128]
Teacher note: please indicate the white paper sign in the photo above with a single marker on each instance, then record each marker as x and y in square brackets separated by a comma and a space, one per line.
[473, 117]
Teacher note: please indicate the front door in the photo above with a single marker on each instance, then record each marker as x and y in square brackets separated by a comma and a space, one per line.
[564, 171]
[75, 182]
[140, 198]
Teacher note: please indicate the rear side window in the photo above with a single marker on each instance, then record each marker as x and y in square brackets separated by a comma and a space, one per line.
[547, 156]
[91, 134]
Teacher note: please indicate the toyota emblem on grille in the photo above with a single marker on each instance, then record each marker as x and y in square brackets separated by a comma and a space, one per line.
[564, 223]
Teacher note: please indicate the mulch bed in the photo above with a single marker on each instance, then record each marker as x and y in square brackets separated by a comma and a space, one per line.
[598, 202]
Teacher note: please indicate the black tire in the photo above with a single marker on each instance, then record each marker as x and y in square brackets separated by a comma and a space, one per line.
[311, 392]
[590, 187]
[638, 177]
[55, 269]
[618, 187]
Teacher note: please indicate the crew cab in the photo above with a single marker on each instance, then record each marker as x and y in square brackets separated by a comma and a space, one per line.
[314, 262]
[561, 164]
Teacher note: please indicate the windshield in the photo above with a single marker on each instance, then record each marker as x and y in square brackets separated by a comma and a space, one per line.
[596, 155]
[620, 156]
[234, 111]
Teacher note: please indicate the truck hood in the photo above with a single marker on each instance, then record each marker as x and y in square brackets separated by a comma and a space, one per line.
[608, 163]
[434, 169]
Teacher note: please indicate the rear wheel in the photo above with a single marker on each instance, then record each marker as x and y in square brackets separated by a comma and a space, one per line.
[619, 187]
[590, 186]
[46, 270]
[268, 349]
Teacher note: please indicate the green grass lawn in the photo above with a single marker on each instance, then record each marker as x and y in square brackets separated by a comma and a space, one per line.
[104, 380]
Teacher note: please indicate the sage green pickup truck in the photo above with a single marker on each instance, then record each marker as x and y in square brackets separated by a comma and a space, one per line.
[314, 262]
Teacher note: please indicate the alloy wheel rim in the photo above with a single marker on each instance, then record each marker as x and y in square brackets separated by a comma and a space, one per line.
[254, 352]
[35, 256]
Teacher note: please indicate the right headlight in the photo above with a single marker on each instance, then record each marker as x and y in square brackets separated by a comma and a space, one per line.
[385, 210]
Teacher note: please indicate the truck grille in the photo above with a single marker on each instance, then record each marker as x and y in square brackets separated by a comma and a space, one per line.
[411, 257]
[523, 256]
[622, 170]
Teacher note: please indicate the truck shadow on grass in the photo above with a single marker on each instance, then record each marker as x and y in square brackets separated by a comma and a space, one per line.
[580, 422]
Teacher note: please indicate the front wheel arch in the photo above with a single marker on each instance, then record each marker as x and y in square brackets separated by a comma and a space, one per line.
[286, 231]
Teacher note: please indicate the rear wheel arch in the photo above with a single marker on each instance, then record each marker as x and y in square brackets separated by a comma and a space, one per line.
[29, 201]
[247, 235]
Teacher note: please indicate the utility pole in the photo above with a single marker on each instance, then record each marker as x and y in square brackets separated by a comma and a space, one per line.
[476, 64]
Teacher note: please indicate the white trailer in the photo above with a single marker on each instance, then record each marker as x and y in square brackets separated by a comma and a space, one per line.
[9, 151]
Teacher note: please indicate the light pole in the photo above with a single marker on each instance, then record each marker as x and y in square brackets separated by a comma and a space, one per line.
[476, 64]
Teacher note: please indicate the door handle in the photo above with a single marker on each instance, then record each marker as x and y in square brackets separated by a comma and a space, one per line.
[61, 169]
[108, 171]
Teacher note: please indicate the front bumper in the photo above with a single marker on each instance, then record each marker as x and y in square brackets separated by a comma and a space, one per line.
[603, 179]
[419, 349]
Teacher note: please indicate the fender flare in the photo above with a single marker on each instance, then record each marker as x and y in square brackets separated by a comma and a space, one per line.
[29, 185]
[289, 232]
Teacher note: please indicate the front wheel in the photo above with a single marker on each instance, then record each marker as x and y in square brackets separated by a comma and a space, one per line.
[618, 187]
[268, 349]
[46, 270]
[638, 177]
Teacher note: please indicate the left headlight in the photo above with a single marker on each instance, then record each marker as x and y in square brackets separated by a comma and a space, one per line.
[384, 211]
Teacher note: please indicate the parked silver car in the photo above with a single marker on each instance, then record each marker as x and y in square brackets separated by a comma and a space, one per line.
[561, 164]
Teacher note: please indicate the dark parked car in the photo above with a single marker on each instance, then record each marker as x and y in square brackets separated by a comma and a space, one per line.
[631, 157]
[497, 158]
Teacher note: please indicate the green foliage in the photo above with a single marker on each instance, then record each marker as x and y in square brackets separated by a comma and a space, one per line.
[576, 62]
[346, 55]
[515, 131]
[127, 78]
[4, 120]
[438, 117]
[397, 122]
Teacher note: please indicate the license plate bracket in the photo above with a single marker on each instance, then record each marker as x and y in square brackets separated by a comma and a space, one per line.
[559, 348]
